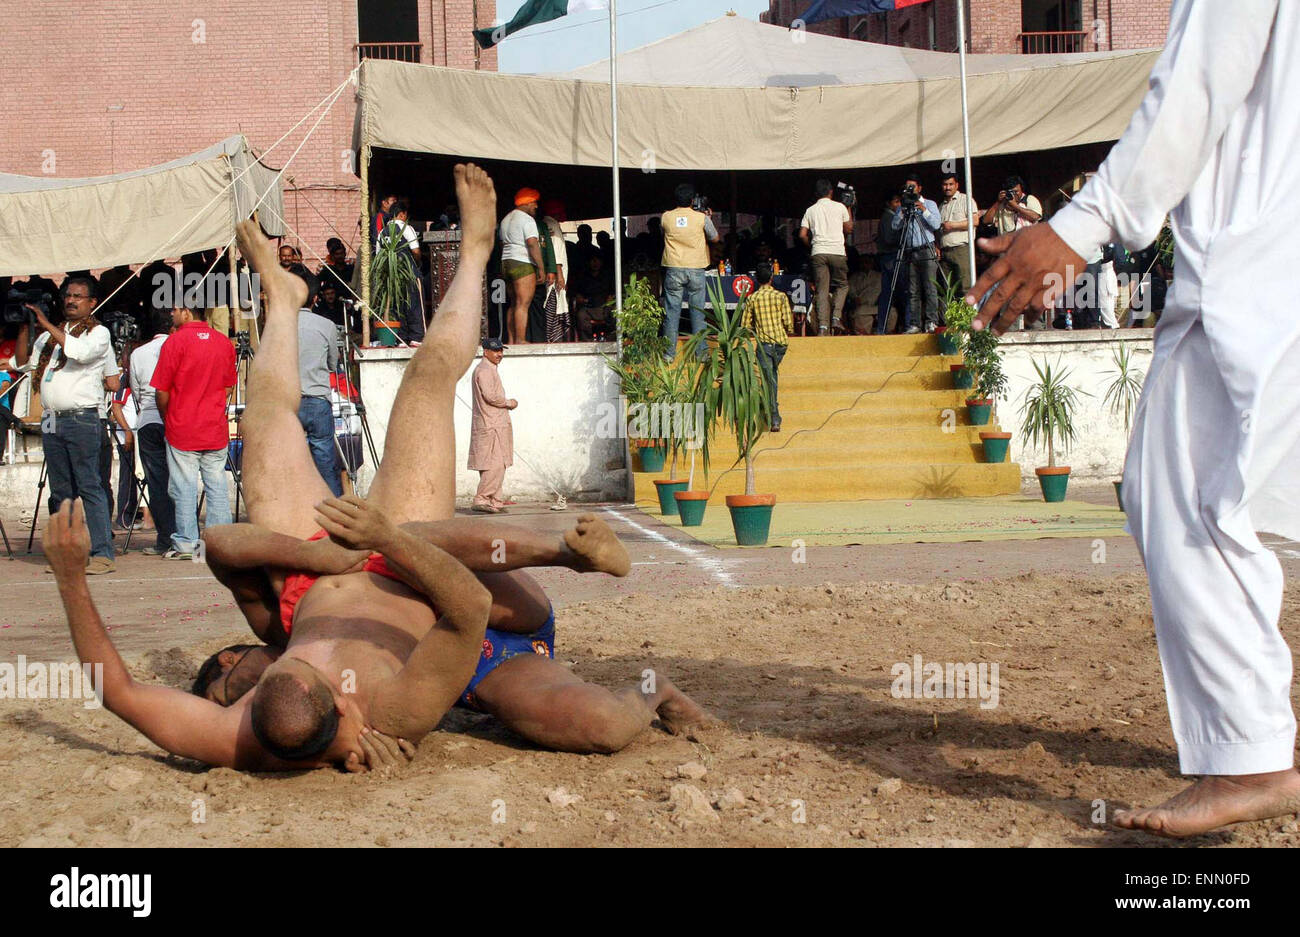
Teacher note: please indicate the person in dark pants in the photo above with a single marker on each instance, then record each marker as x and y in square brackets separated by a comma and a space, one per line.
[149, 434]
[318, 358]
[125, 413]
[887, 242]
[72, 365]
[917, 231]
[769, 315]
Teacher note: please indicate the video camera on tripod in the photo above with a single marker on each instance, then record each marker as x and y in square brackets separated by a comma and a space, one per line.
[909, 195]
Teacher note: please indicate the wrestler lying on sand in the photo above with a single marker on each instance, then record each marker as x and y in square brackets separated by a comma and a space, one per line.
[366, 651]
[516, 680]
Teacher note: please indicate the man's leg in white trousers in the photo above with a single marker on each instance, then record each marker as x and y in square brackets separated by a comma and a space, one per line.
[1216, 604]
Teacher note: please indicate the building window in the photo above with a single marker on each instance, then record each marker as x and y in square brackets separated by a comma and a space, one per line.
[388, 29]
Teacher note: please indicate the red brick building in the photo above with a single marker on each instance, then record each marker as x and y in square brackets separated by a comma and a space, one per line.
[1001, 26]
[91, 88]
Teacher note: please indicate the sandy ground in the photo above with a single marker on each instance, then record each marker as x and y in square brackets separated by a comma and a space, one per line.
[794, 658]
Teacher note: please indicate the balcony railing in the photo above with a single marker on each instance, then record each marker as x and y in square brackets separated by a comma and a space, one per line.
[1039, 43]
[395, 51]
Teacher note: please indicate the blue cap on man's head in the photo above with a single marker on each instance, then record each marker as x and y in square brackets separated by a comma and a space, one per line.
[493, 344]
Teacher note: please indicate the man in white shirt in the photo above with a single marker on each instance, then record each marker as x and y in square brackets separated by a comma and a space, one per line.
[956, 210]
[71, 367]
[1213, 455]
[149, 435]
[413, 324]
[823, 228]
[521, 260]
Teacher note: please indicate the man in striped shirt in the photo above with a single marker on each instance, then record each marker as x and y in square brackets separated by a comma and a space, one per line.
[769, 314]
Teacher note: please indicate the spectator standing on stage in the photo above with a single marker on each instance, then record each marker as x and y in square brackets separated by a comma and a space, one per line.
[687, 235]
[823, 229]
[71, 366]
[769, 314]
[894, 291]
[956, 210]
[491, 439]
[193, 379]
[149, 435]
[318, 358]
[412, 331]
[558, 327]
[1014, 209]
[382, 217]
[522, 264]
[917, 230]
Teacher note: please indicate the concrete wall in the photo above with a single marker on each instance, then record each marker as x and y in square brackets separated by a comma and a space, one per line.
[1089, 357]
[560, 389]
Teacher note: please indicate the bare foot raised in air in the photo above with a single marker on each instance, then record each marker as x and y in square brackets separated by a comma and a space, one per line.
[478, 208]
[283, 289]
[1218, 800]
[596, 547]
[680, 714]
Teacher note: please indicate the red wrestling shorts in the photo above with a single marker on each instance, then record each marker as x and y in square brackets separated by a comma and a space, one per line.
[297, 584]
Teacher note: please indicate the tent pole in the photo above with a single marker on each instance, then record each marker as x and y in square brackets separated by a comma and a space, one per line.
[618, 194]
[965, 135]
[363, 255]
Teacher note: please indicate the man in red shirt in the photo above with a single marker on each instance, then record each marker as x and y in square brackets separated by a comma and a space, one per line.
[196, 370]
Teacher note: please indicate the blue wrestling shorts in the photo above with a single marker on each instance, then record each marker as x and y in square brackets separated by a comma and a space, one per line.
[500, 646]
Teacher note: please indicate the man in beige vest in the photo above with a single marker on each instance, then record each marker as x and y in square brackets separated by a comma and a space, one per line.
[687, 234]
[491, 437]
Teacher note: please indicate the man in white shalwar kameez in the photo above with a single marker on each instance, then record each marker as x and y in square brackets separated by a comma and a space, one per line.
[1215, 451]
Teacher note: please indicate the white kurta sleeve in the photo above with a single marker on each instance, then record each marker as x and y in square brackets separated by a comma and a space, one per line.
[1207, 70]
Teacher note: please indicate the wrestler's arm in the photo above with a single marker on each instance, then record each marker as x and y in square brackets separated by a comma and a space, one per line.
[489, 547]
[175, 721]
[248, 546]
[409, 704]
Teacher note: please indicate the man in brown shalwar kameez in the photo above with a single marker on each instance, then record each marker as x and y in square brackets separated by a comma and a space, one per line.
[491, 438]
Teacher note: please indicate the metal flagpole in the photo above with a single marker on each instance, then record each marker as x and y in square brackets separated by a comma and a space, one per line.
[965, 133]
[618, 194]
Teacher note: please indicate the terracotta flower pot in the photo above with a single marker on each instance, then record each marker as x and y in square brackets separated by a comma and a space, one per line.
[690, 506]
[666, 488]
[387, 334]
[980, 409]
[1053, 481]
[751, 518]
[996, 446]
[962, 377]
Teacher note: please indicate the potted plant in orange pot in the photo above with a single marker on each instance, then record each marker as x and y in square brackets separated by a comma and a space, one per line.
[391, 277]
[730, 384]
[1048, 417]
[690, 429]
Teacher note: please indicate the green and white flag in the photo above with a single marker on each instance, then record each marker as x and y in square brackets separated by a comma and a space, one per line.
[534, 12]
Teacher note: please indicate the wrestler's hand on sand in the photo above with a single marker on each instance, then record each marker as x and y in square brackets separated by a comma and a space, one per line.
[67, 540]
[383, 753]
[354, 523]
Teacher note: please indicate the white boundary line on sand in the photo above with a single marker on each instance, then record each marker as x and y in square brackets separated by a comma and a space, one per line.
[711, 564]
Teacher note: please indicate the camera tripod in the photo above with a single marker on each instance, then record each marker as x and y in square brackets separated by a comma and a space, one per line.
[235, 448]
[351, 460]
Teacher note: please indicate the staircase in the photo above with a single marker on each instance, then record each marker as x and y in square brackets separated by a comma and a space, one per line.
[888, 441]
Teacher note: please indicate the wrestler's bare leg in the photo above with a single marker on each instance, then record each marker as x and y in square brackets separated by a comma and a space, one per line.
[416, 480]
[549, 705]
[522, 292]
[1218, 800]
[487, 546]
[281, 483]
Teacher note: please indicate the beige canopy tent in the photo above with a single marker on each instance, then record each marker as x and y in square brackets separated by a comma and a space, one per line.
[50, 225]
[735, 94]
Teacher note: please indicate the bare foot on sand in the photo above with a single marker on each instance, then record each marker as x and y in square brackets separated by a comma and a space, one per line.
[283, 289]
[680, 714]
[1218, 800]
[598, 549]
[478, 209]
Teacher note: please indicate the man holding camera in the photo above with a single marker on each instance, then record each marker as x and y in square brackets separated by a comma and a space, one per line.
[823, 229]
[1014, 209]
[917, 221]
[71, 367]
[688, 230]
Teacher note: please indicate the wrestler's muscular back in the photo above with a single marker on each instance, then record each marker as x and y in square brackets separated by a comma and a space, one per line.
[360, 623]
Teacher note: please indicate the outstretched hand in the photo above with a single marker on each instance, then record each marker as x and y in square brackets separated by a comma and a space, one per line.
[383, 753]
[67, 539]
[355, 523]
[1033, 268]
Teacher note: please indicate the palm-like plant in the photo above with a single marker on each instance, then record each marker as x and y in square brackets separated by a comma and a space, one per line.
[1125, 390]
[1048, 410]
[729, 380]
[392, 274]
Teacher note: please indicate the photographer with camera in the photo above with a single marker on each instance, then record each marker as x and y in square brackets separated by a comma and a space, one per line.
[1014, 209]
[688, 230]
[71, 368]
[917, 221]
[823, 229]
